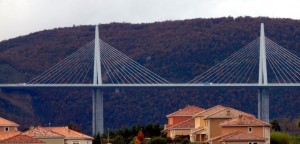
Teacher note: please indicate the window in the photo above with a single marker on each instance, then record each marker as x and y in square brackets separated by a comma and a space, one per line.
[252, 142]
[75, 142]
[6, 129]
[250, 129]
[228, 112]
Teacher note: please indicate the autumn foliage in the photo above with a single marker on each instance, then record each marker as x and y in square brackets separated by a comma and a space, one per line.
[139, 138]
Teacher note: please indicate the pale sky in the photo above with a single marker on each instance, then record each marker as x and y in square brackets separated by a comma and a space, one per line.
[21, 17]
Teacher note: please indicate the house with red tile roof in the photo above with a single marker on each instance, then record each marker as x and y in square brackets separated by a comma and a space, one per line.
[199, 133]
[21, 139]
[8, 126]
[207, 122]
[199, 117]
[45, 135]
[218, 125]
[181, 121]
[248, 125]
[58, 135]
[8, 129]
[213, 120]
[181, 129]
[71, 136]
[51, 135]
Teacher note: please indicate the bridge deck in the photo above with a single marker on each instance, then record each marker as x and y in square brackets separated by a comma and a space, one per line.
[179, 85]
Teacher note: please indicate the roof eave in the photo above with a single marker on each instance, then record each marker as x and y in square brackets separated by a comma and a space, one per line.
[245, 125]
[243, 140]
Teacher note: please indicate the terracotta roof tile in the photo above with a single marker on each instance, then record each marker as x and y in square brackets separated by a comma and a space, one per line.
[41, 132]
[6, 135]
[21, 139]
[228, 112]
[210, 111]
[5, 122]
[244, 120]
[187, 124]
[198, 131]
[237, 136]
[222, 136]
[188, 111]
[68, 133]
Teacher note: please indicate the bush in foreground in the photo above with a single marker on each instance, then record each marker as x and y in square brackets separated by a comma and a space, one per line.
[158, 140]
[280, 138]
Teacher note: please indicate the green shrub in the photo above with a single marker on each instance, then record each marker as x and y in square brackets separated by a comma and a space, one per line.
[158, 140]
[118, 140]
[280, 138]
[295, 139]
[185, 141]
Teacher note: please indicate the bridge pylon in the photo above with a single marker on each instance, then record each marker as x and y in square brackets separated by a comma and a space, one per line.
[263, 93]
[98, 121]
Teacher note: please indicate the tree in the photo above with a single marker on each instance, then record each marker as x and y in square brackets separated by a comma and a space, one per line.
[97, 139]
[286, 124]
[137, 141]
[73, 127]
[140, 136]
[118, 140]
[275, 125]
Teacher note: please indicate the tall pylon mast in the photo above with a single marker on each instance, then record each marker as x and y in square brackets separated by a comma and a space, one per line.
[263, 77]
[263, 93]
[98, 121]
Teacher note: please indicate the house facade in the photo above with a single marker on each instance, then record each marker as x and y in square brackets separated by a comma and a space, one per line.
[58, 135]
[213, 120]
[8, 129]
[257, 131]
[40, 135]
[48, 136]
[207, 122]
[71, 136]
[181, 121]
[8, 126]
[181, 129]
[219, 125]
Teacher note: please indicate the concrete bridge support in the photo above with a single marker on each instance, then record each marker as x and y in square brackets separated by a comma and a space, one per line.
[263, 105]
[98, 121]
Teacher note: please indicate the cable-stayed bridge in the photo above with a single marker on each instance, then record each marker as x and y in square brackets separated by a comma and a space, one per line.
[261, 64]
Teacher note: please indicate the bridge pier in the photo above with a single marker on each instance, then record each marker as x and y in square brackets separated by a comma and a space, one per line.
[263, 104]
[98, 121]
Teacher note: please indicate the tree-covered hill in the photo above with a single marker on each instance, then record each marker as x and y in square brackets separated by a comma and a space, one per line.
[176, 50]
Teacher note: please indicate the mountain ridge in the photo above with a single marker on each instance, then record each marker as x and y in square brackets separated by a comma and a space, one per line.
[175, 50]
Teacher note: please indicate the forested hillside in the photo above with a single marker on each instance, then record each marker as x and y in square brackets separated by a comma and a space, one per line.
[176, 50]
